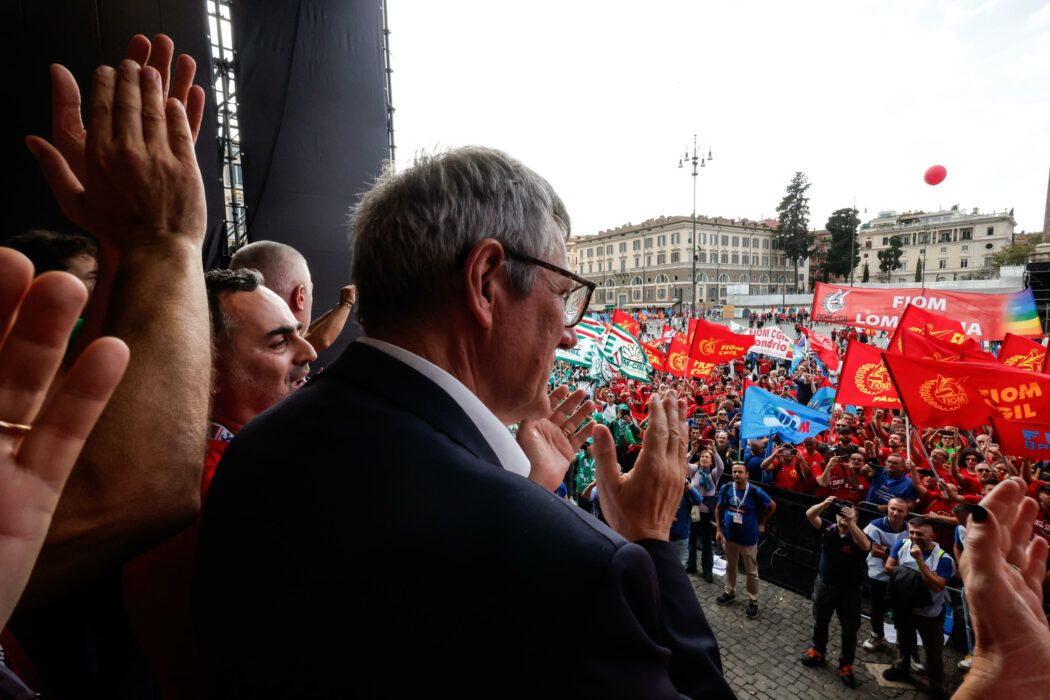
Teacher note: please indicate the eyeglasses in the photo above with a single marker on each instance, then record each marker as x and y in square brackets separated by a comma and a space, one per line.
[970, 459]
[576, 299]
[979, 471]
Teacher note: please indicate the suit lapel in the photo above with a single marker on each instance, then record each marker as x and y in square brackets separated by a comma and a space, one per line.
[405, 387]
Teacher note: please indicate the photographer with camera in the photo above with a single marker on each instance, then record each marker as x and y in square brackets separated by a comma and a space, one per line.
[786, 469]
[843, 550]
[919, 571]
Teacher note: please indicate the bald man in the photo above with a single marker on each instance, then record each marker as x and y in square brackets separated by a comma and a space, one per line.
[287, 274]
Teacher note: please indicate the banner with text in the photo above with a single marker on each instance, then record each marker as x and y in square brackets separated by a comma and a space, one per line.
[771, 341]
[984, 316]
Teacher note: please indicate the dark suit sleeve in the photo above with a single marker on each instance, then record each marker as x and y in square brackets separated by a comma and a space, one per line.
[649, 635]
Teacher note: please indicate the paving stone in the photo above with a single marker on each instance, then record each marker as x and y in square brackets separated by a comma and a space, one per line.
[761, 657]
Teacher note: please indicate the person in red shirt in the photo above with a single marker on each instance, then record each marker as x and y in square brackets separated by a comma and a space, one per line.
[790, 470]
[968, 479]
[933, 500]
[1041, 526]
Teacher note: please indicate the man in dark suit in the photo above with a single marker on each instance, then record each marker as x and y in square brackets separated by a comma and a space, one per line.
[381, 534]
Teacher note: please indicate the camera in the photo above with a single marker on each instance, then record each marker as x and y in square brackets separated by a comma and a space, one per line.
[835, 509]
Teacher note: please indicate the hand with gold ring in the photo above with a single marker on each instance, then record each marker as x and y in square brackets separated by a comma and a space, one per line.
[551, 443]
[42, 429]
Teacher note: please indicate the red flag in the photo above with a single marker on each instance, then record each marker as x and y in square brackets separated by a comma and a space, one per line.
[678, 355]
[825, 349]
[619, 318]
[1023, 438]
[864, 380]
[656, 358]
[964, 394]
[668, 334]
[927, 323]
[692, 328]
[714, 343]
[929, 348]
[1022, 353]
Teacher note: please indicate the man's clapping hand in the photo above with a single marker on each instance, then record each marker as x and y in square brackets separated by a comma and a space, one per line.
[642, 504]
[1003, 571]
[36, 318]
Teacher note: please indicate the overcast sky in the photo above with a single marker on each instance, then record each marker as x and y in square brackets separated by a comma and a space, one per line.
[603, 98]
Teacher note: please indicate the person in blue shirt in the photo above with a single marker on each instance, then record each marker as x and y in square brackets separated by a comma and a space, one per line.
[739, 525]
[891, 483]
[921, 552]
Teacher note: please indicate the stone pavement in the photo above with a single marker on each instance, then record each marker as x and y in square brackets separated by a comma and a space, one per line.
[761, 657]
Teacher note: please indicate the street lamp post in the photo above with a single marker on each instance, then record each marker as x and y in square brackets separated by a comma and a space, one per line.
[698, 162]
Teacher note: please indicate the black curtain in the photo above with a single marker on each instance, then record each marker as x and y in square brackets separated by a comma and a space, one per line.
[312, 100]
[81, 35]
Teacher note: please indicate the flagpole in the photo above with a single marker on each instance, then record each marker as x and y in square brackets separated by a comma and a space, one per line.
[907, 435]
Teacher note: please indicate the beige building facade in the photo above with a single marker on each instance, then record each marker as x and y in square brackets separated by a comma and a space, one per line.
[950, 245]
[650, 264]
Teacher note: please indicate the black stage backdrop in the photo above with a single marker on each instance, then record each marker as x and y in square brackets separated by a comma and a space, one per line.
[312, 102]
[81, 35]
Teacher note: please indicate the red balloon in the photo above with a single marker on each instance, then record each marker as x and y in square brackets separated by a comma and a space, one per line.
[935, 174]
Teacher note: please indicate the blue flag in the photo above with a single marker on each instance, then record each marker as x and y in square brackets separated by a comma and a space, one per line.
[797, 354]
[824, 397]
[767, 414]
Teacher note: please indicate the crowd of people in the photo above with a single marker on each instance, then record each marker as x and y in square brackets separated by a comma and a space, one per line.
[184, 514]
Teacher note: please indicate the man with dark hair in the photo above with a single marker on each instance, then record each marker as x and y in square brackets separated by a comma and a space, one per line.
[741, 516]
[75, 253]
[843, 548]
[914, 611]
[286, 273]
[460, 261]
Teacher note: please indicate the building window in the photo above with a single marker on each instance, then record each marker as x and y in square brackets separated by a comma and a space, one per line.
[725, 258]
[725, 240]
[661, 241]
[867, 244]
[774, 258]
[885, 240]
[623, 247]
[599, 266]
[648, 293]
[674, 257]
[944, 249]
[736, 258]
[661, 292]
[648, 261]
[736, 241]
[946, 236]
[744, 258]
[637, 294]
[675, 238]
[965, 234]
[599, 295]
[988, 261]
[965, 248]
[991, 230]
[765, 261]
[590, 267]
[637, 245]
[703, 256]
[964, 263]
[703, 238]
[924, 238]
[942, 264]
[661, 258]
[765, 244]
[637, 261]
[904, 266]
[746, 242]
[590, 252]
[648, 242]
[905, 240]
[608, 250]
[712, 292]
[754, 242]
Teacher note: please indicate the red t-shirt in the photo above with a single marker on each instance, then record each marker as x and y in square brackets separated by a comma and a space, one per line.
[788, 476]
[934, 503]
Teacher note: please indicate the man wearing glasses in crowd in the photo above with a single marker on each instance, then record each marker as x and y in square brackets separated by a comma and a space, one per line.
[460, 262]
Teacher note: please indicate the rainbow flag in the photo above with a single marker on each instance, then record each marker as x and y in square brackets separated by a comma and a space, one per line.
[1020, 315]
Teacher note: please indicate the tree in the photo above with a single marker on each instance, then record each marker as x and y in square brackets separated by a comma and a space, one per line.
[918, 270]
[793, 233]
[1017, 253]
[842, 225]
[867, 275]
[890, 258]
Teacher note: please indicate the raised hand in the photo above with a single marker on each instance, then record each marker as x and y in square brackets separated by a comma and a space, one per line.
[67, 127]
[642, 504]
[551, 443]
[1003, 574]
[140, 185]
[39, 447]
